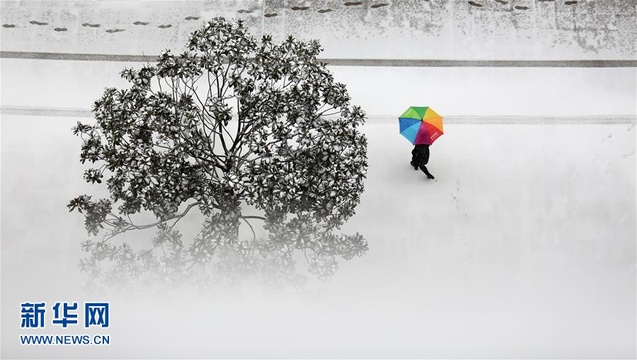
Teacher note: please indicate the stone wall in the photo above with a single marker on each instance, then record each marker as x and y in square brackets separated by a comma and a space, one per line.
[349, 29]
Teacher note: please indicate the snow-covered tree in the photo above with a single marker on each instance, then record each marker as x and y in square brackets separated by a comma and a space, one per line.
[255, 137]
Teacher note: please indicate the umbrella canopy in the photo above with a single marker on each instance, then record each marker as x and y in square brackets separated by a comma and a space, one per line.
[420, 125]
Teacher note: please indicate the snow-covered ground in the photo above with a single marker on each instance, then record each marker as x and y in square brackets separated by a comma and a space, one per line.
[481, 91]
[523, 246]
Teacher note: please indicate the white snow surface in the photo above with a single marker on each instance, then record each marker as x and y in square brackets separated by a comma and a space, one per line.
[522, 247]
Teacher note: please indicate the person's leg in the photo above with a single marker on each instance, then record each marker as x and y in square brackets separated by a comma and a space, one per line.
[425, 155]
[414, 161]
[426, 171]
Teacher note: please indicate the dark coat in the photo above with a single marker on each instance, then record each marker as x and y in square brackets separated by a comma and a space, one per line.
[420, 155]
[420, 158]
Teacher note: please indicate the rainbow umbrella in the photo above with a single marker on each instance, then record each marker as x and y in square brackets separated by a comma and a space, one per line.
[420, 125]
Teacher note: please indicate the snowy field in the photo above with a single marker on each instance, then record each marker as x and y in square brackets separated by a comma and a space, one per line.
[523, 246]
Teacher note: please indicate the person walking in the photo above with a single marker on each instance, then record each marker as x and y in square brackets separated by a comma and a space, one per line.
[421, 126]
[420, 158]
